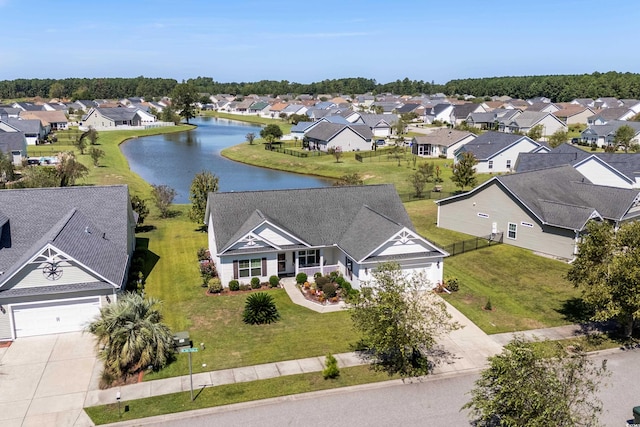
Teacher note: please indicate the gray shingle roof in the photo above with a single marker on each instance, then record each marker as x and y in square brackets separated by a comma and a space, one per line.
[29, 126]
[442, 137]
[318, 216]
[10, 141]
[118, 114]
[488, 144]
[60, 215]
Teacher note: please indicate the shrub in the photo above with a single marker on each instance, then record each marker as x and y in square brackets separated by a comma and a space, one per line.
[234, 285]
[301, 278]
[203, 254]
[274, 281]
[339, 281]
[244, 287]
[255, 283]
[215, 285]
[331, 369]
[488, 306]
[321, 281]
[259, 308]
[333, 276]
[317, 274]
[329, 290]
[208, 268]
[452, 284]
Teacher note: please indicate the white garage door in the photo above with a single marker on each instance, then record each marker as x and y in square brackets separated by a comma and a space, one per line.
[54, 317]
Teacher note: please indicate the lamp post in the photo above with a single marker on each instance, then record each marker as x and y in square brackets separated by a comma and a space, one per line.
[118, 399]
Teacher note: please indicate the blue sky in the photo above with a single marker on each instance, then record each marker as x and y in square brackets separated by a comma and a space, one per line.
[302, 41]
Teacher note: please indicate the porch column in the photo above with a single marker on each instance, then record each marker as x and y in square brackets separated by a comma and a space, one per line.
[295, 262]
[322, 261]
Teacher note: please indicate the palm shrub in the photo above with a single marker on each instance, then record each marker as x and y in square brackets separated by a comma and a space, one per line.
[260, 308]
[130, 336]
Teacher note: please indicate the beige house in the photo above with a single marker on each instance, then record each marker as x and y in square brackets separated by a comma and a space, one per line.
[441, 142]
[574, 114]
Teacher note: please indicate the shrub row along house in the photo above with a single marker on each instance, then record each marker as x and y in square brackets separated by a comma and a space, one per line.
[59, 265]
[344, 229]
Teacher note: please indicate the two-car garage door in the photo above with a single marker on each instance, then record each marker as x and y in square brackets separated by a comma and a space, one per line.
[54, 317]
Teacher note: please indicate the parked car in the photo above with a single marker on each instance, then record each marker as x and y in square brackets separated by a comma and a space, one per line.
[379, 141]
[575, 140]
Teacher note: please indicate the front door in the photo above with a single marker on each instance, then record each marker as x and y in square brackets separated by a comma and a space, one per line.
[282, 263]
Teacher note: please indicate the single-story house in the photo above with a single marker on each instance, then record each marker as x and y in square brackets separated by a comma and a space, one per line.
[620, 170]
[462, 111]
[13, 144]
[51, 120]
[606, 115]
[603, 135]
[59, 266]
[574, 114]
[347, 229]
[543, 210]
[105, 118]
[497, 151]
[441, 142]
[33, 130]
[332, 135]
[527, 120]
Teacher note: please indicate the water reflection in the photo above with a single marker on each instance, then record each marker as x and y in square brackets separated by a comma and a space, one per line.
[173, 159]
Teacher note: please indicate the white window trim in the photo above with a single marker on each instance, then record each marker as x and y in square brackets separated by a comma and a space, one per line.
[515, 231]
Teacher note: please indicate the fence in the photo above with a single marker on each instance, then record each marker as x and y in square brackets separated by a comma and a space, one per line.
[295, 153]
[434, 195]
[386, 154]
[458, 248]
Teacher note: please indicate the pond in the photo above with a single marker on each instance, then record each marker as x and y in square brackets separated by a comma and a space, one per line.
[174, 159]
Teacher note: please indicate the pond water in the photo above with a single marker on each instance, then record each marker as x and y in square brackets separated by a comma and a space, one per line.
[174, 159]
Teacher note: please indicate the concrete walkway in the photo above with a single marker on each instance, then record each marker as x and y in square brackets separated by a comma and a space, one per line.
[289, 284]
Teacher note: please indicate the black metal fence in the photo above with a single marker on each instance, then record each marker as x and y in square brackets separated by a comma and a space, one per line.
[433, 195]
[458, 248]
[386, 154]
[296, 153]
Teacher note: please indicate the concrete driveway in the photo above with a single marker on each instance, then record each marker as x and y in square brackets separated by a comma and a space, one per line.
[44, 380]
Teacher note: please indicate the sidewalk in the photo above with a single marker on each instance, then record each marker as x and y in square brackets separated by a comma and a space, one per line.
[289, 284]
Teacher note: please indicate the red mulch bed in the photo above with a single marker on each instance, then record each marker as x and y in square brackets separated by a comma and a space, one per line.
[5, 344]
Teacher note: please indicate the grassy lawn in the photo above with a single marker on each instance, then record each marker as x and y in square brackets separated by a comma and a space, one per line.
[233, 393]
[217, 320]
[113, 168]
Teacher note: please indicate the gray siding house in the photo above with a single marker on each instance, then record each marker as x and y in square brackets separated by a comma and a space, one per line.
[64, 253]
[543, 210]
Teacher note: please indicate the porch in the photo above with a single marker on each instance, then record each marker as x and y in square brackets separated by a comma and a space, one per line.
[322, 269]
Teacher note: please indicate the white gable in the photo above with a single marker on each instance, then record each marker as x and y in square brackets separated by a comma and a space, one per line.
[275, 235]
[599, 174]
[405, 242]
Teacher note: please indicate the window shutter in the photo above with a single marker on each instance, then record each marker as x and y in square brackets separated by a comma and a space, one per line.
[264, 266]
[235, 269]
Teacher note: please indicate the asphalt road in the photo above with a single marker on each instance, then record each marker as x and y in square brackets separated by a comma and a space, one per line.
[433, 402]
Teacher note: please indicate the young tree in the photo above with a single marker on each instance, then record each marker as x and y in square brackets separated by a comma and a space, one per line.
[399, 319]
[270, 133]
[163, 196]
[418, 182]
[623, 137]
[38, 177]
[463, 172]
[535, 132]
[349, 179]
[139, 206]
[250, 137]
[557, 138]
[335, 152]
[93, 135]
[96, 154]
[130, 336]
[525, 387]
[6, 168]
[400, 127]
[69, 169]
[606, 271]
[80, 143]
[183, 98]
[203, 183]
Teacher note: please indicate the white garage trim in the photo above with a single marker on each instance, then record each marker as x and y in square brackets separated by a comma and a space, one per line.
[53, 317]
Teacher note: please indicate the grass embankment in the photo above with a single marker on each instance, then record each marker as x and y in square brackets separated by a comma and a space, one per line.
[113, 167]
[233, 393]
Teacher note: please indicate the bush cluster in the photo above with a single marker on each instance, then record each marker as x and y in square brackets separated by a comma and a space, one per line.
[234, 285]
[274, 281]
[255, 283]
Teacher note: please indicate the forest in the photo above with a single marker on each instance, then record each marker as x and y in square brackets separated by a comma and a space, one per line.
[559, 88]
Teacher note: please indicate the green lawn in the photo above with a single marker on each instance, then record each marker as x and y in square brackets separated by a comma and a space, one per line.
[233, 393]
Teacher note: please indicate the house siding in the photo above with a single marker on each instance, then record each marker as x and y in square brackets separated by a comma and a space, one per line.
[500, 159]
[32, 277]
[600, 175]
[348, 140]
[496, 206]
[5, 324]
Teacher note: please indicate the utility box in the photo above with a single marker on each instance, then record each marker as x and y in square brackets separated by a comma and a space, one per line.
[636, 415]
[181, 339]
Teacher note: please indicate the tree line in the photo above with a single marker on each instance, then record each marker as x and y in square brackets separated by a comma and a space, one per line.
[559, 88]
